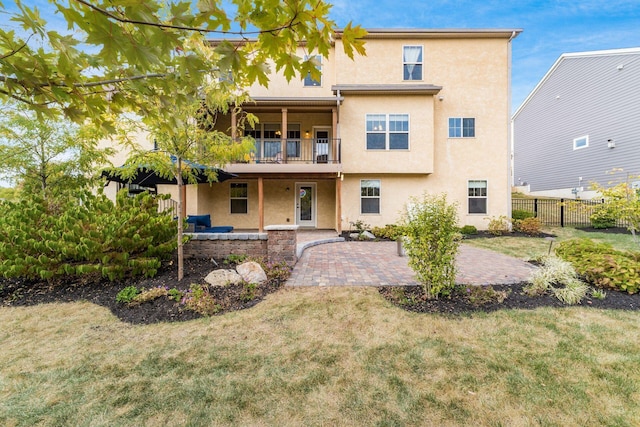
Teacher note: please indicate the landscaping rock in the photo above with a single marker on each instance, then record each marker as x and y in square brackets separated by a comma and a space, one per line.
[366, 235]
[252, 272]
[223, 278]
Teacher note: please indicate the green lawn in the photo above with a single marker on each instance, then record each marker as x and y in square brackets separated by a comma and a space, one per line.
[528, 248]
[321, 356]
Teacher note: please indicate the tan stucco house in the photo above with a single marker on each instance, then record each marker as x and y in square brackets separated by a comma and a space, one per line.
[423, 111]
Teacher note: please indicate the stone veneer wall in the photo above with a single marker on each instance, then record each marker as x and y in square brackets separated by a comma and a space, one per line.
[277, 244]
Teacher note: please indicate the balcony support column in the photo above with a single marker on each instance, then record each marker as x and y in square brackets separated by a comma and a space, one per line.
[334, 135]
[260, 205]
[339, 204]
[285, 127]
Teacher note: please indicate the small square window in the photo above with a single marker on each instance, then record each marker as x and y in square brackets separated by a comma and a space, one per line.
[582, 142]
[462, 127]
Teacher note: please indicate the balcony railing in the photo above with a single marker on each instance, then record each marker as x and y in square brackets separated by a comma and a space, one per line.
[316, 150]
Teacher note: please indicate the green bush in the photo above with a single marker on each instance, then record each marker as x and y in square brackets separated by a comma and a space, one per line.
[469, 229]
[40, 239]
[602, 217]
[499, 225]
[601, 265]
[519, 214]
[389, 231]
[431, 243]
[127, 294]
[529, 226]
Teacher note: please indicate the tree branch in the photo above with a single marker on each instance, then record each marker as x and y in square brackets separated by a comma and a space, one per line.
[182, 27]
[15, 51]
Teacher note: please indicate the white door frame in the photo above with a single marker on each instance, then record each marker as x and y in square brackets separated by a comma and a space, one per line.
[329, 142]
[314, 205]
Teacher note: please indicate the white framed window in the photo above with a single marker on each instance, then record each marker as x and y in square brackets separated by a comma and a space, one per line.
[477, 192]
[387, 131]
[239, 197]
[308, 80]
[462, 127]
[412, 62]
[582, 142]
[370, 196]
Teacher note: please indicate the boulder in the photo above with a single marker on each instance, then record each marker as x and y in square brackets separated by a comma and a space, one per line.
[365, 235]
[252, 272]
[223, 278]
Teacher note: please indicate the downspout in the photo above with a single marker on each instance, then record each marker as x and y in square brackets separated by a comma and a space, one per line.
[340, 176]
[510, 128]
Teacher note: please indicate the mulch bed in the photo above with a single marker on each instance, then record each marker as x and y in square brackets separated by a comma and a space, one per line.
[14, 292]
[411, 298]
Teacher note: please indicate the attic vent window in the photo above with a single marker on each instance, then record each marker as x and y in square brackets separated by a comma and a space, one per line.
[582, 142]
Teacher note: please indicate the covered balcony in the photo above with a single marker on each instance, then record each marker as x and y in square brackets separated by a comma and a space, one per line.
[294, 135]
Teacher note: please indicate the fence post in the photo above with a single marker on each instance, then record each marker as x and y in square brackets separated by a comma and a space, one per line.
[561, 212]
[535, 207]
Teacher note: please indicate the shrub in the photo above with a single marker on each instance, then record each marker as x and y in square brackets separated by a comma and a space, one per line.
[40, 239]
[360, 226]
[529, 226]
[431, 243]
[127, 294]
[483, 295]
[572, 292]
[601, 265]
[389, 231]
[469, 229]
[602, 217]
[519, 214]
[150, 295]
[499, 225]
[198, 299]
[233, 259]
[560, 278]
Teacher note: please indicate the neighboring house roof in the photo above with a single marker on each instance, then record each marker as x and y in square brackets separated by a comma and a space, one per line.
[563, 57]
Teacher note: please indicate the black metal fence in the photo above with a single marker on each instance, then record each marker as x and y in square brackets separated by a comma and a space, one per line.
[559, 212]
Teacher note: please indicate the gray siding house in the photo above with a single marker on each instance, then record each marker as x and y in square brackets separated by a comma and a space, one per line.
[579, 123]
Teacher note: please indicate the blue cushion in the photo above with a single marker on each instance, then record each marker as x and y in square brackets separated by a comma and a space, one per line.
[218, 229]
[200, 220]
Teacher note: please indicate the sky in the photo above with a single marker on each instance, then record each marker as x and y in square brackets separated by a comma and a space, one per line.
[550, 28]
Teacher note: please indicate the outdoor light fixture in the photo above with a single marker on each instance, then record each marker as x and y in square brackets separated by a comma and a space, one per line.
[611, 143]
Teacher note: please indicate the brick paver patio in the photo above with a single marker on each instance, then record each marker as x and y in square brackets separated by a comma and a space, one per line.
[378, 264]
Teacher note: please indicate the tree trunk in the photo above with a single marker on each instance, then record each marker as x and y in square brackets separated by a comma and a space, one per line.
[180, 219]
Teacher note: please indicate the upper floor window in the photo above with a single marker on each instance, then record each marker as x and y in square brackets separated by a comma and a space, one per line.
[387, 131]
[308, 80]
[581, 142]
[412, 62]
[462, 127]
